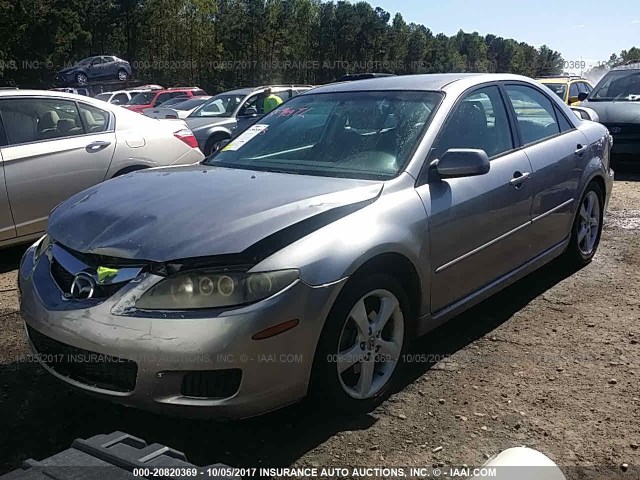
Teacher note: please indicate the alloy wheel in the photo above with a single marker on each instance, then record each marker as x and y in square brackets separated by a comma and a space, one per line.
[370, 344]
[589, 224]
[81, 78]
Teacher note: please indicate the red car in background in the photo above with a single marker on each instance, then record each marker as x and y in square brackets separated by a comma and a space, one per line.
[155, 98]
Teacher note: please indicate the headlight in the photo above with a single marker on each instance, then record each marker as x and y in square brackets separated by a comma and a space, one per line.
[192, 290]
[41, 247]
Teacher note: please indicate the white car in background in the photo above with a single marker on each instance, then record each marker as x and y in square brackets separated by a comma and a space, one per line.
[180, 109]
[121, 97]
[54, 144]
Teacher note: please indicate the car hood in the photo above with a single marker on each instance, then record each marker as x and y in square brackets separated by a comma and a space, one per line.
[197, 124]
[68, 70]
[615, 112]
[200, 211]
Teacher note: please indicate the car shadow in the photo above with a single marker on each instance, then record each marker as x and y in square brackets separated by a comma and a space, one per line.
[10, 258]
[42, 416]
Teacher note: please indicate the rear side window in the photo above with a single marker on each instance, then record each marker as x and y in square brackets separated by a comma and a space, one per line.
[562, 121]
[94, 119]
[535, 114]
[34, 119]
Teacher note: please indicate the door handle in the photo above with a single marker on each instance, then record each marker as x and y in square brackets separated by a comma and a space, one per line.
[519, 178]
[97, 146]
[580, 149]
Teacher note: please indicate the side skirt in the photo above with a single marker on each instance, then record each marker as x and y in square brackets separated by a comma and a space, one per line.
[428, 322]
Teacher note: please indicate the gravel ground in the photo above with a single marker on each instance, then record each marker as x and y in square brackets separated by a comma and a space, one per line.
[553, 363]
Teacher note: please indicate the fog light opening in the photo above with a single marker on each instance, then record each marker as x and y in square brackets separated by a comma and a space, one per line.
[275, 330]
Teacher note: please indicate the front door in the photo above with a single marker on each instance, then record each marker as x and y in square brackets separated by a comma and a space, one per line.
[56, 148]
[478, 225]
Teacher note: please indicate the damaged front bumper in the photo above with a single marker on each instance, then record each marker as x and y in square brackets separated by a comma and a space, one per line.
[198, 363]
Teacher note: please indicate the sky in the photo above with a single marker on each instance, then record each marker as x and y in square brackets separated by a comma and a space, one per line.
[581, 30]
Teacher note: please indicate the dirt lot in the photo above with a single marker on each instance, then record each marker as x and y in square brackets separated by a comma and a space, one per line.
[553, 363]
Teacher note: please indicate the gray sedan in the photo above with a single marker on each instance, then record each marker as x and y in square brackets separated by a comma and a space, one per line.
[304, 256]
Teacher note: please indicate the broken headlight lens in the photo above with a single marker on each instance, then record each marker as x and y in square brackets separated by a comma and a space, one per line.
[193, 290]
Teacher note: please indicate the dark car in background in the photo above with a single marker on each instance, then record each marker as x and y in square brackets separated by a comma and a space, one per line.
[616, 100]
[230, 113]
[101, 67]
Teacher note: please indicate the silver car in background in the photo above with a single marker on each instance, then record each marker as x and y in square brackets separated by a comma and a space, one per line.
[306, 254]
[53, 145]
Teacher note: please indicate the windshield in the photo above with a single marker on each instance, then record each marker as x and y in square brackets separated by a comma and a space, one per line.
[103, 96]
[222, 105]
[143, 98]
[618, 85]
[85, 61]
[558, 88]
[366, 135]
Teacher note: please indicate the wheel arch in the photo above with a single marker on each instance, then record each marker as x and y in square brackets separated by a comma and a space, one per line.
[403, 270]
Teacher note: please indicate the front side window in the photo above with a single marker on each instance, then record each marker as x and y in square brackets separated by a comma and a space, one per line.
[573, 90]
[480, 122]
[367, 135]
[535, 115]
[619, 85]
[34, 119]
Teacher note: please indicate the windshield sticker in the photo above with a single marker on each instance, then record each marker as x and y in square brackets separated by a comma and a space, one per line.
[291, 112]
[246, 136]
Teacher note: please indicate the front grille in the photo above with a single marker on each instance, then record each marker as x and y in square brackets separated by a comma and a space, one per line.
[211, 383]
[90, 368]
[64, 279]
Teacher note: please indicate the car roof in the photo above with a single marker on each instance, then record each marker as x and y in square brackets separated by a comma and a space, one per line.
[52, 94]
[431, 82]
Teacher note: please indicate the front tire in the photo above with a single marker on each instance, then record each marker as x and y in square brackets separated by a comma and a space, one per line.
[212, 144]
[362, 344]
[587, 227]
[81, 78]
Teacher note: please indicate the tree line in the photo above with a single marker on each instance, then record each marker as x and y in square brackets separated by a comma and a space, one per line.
[220, 44]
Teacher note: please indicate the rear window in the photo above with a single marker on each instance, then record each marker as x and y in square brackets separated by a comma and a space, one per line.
[143, 98]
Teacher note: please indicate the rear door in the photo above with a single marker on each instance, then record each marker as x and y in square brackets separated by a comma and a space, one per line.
[557, 152]
[55, 148]
[7, 227]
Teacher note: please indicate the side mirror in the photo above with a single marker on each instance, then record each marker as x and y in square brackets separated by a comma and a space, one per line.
[221, 144]
[586, 113]
[463, 162]
[582, 96]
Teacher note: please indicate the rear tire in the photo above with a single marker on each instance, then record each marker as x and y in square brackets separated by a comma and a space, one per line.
[359, 352]
[123, 75]
[587, 227]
